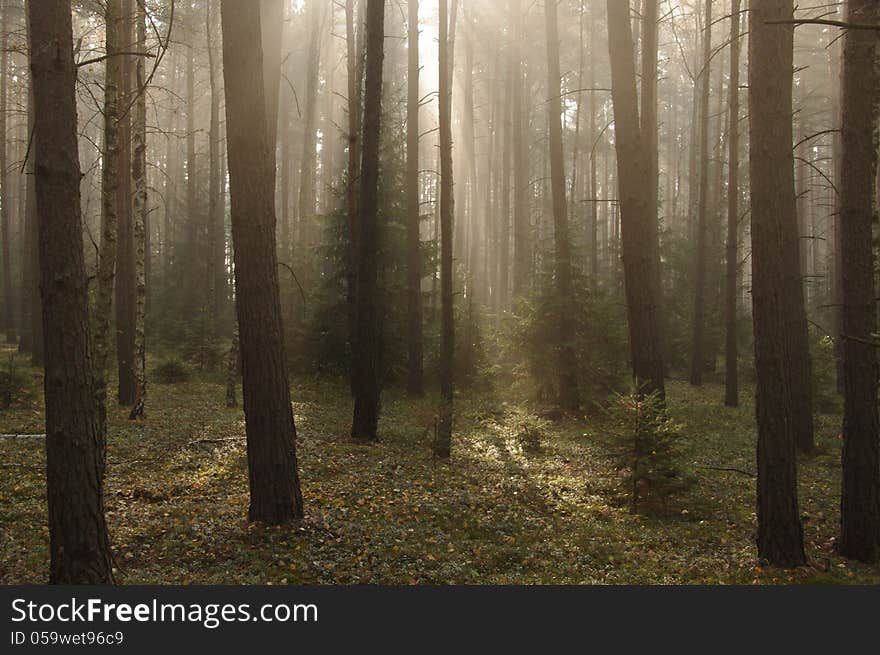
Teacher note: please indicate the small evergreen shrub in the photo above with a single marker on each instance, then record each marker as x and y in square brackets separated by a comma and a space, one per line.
[171, 370]
[647, 447]
[15, 387]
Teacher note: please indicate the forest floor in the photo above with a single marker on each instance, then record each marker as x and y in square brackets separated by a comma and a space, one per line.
[177, 498]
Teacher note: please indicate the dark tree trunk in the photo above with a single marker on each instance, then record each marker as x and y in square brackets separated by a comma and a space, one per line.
[638, 218]
[271, 435]
[860, 497]
[125, 268]
[731, 354]
[7, 319]
[415, 381]
[78, 544]
[443, 441]
[33, 314]
[354, 65]
[367, 385]
[216, 236]
[567, 363]
[774, 257]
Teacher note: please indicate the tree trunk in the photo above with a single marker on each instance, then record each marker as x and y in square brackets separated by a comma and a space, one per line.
[139, 176]
[698, 355]
[367, 383]
[7, 318]
[860, 497]
[443, 441]
[638, 218]
[216, 236]
[78, 544]
[307, 167]
[415, 382]
[567, 363]
[521, 222]
[275, 495]
[125, 273]
[774, 257]
[731, 354]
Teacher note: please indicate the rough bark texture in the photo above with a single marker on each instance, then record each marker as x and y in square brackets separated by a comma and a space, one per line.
[367, 385]
[731, 353]
[443, 440]
[567, 361]
[860, 497]
[638, 218]
[78, 544]
[774, 256]
[415, 380]
[275, 495]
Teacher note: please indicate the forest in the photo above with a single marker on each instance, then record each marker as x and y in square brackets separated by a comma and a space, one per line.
[411, 292]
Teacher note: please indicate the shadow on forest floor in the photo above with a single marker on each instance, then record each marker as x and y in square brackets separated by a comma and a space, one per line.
[176, 498]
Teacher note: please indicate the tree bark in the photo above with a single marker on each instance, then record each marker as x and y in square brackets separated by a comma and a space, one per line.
[415, 381]
[7, 318]
[275, 495]
[367, 383]
[860, 493]
[774, 257]
[731, 353]
[78, 544]
[638, 218]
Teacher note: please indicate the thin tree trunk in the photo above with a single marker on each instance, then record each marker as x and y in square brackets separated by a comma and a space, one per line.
[521, 248]
[8, 317]
[415, 380]
[731, 354]
[79, 547]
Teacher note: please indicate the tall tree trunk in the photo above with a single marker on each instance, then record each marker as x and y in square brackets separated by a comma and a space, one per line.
[731, 354]
[216, 236]
[521, 220]
[415, 381]
[567, 363]
[443, 441]
[139, 176]
[354, 61]
[860, 497]
[7, 318]
[698, 355]
[275, 495]
[79, 548]
[307, 167]
[33, 315]
[125, 273]
[367, 382]
[638, 218]
[774, 257]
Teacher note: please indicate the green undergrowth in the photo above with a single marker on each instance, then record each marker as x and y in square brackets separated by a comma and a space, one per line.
[524, 499]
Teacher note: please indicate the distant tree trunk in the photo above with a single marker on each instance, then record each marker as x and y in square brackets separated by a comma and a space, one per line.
[860, 498]
[33, 315]
[233, 368]
[593, 190]
[216, 249]
[731, 380]
[367, 385]
[638, 218]
[443, 442]
[354, 61]
[8, 318]
[271, 24]
[503, 292]
[271, 434]
[125, 273]
[698, 355]
[774, 257]
[139, 175]
[415, 384]
[521, 220]
[307, 167]
[567, 362]
[79, 548]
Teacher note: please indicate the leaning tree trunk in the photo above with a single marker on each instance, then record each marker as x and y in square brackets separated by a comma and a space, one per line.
[774, 256]
[567, 362]
[860, 498]
[367, 384]
[731, 355]
[443, 442]
[271, 434]
[638, 218]
[79, 548]
[415, 380]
